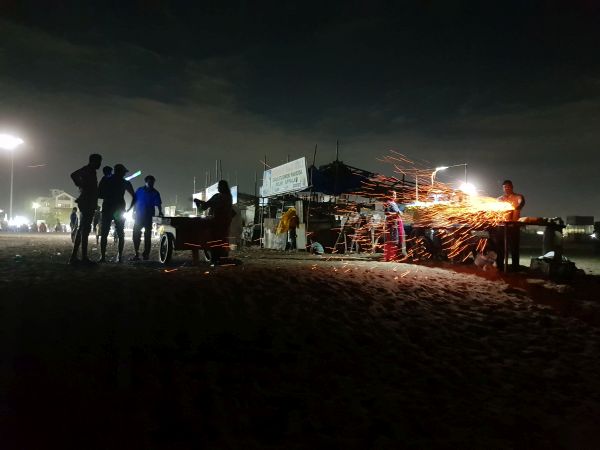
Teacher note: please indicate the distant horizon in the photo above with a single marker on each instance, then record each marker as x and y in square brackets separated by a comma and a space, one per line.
[511, 89]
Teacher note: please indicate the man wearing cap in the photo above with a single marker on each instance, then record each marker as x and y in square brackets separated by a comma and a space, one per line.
[513, 231]
[112, 190]
[145, 201]
[87, 182]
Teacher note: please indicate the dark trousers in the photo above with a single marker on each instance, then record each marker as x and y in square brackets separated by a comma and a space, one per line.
[293, 238]
[137, 235]
[108, 216]
[513, 236]
[82, 232]
[219, 248]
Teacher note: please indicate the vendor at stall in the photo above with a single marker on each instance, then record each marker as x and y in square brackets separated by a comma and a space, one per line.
[393, 231]
[221, 213]
[513, 230]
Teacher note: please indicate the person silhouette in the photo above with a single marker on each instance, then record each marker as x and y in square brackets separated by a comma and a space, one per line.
[146, 199]
[221, 213]
[513, 229]
[87, 182]
[73, 221]
[96, 226]
[112, 191]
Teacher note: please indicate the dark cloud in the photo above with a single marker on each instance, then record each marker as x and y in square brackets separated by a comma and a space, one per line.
[513, 89]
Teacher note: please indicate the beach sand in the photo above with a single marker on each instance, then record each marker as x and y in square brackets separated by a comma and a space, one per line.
[290, 351]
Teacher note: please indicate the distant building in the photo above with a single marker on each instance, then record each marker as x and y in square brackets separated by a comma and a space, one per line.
[58, 205]
[579, 228]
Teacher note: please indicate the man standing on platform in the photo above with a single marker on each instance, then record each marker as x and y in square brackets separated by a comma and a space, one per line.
[513, 230]
[145, 201]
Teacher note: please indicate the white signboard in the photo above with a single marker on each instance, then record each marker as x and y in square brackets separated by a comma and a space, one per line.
[210, 191]
[289, 177]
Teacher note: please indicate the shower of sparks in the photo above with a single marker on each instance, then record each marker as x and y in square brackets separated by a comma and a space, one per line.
[448, 222]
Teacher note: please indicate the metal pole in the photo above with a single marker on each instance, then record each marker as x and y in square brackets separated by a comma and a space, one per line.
[505, 247]
[12, 174]
[193, 202]
[416, 187]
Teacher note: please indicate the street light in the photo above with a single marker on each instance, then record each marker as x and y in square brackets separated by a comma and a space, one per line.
[438, 169]
[35, 206]
[10, 143]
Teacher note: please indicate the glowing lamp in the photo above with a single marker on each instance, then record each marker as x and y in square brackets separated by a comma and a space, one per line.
[9, 142]
[468, 188]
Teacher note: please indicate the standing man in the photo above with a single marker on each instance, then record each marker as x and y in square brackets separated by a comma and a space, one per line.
[85, 179]
[146, 199]
[112, 190]
[220, 206]
[73, 221]
[393, 230]
[513, 230]
[293, 230]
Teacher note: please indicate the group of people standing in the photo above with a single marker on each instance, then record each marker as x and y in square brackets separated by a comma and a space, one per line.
[144, 201]
[111, 190]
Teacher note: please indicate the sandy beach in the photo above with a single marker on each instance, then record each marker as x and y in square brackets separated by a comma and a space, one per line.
[291, 351]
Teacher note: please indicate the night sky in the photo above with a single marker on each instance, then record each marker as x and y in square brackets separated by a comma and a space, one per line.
[512, 89]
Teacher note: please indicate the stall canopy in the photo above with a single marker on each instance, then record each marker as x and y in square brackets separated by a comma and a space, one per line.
[338, 178]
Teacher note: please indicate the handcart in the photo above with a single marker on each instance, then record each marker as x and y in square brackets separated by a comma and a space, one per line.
[183, 233]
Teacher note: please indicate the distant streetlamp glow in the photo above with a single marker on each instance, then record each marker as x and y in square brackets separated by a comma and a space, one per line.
[9, 142]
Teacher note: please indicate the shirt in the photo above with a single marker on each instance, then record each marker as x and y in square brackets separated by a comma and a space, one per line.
[146, 200]
[220, 206]
[112, 190]
[317, 248]
[85, 179]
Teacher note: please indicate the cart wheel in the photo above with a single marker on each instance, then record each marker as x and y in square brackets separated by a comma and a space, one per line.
[166, 248]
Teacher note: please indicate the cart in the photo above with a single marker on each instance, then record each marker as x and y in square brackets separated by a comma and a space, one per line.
[183, 233]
